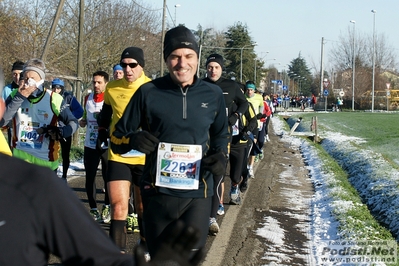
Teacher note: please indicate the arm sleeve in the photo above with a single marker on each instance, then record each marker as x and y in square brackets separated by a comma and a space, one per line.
[69, 120]
[105, 115]
[84, 116]
[69, 232]
[76, 108]
[13, 103]
[128, 124]
[252, 121]
[240, 100]
[219, 130]
[6, 92]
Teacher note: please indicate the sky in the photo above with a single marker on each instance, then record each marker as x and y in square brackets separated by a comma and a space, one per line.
[283, 29]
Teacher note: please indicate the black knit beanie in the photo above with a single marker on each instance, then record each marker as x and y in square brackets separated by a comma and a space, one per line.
[215, 58]
[179, 37]
[134, 53]
[18, 65]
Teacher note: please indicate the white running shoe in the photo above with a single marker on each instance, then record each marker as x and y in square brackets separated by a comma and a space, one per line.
[251, 173]
[213, 226]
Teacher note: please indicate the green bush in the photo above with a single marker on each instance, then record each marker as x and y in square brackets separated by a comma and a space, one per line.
[76, 153]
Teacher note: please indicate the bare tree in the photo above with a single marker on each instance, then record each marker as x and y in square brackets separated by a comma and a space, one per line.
[23, 29]
[212, 41]
[342, 57]
[109, 27]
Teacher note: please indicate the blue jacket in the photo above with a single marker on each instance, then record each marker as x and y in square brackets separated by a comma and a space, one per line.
[73, 104]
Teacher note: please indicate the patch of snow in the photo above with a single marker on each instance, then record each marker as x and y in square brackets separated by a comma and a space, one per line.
[374, 178]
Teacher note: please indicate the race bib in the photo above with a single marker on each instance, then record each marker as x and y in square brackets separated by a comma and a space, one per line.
[29, 138]
[178, 166]
[235, 128]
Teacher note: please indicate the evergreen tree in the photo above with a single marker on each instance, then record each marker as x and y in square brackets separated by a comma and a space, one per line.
[301, 77]
[238, 43]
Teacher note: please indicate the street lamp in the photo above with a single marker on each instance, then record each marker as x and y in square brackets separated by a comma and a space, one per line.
[291, 76]
[276, 78]
[372, 96]
[242, 49]
[297, 77]
[176, 6]
[353, 66]
[300, 84]
[255, 70]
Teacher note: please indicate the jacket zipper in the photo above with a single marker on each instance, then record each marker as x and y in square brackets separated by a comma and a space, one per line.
[184, 102]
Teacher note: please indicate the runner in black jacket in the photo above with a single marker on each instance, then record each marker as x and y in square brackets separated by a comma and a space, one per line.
[236, 104]
[187, 118]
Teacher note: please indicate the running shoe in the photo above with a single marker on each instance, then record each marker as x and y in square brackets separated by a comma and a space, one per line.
[213, 226]
[235, 198]
[267, 138]
[256, 158]
[143, 244]
[261, 156]
[129, 224]
[220, 209]
[106, 214]
[251, 173]
[96, 215]
[132, 225]
[244, 186]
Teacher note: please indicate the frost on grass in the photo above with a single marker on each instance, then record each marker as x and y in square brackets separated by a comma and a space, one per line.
[332, 208]
[374, 178]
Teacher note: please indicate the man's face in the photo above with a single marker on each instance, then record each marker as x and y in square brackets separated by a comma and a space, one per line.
[33, 75]
[99, 84]
[15, 75]
[57, 89]
[118, 74]
[250, 92]
[182, 65]
[213, 71]
[131, 72]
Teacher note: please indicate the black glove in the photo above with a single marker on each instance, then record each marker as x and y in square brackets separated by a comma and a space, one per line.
[144, 141]
[259, 116]
[215, 163]
[102, 137]
[244, 135]
[52, 132]
[176, 248]
[233, 119]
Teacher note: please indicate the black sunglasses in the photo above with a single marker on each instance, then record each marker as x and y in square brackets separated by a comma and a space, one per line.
[131, 65]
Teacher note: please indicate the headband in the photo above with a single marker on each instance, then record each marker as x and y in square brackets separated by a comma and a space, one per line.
[36, 69]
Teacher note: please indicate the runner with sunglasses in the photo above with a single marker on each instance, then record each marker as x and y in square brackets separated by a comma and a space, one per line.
[123, 169]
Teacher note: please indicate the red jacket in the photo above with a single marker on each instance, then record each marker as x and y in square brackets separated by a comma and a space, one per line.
[266, 110]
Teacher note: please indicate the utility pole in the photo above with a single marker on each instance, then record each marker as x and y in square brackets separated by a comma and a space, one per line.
[353, 65]
[52, 29]
[200, 53]
[373, 85]
[79, 83]
[162, 37]
[322, 67]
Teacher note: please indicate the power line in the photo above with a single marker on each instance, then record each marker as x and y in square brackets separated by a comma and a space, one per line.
[155, 10]
[152, 10]
[174, 22]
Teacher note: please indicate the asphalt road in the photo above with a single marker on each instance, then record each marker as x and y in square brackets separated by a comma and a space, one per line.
[237, 242]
